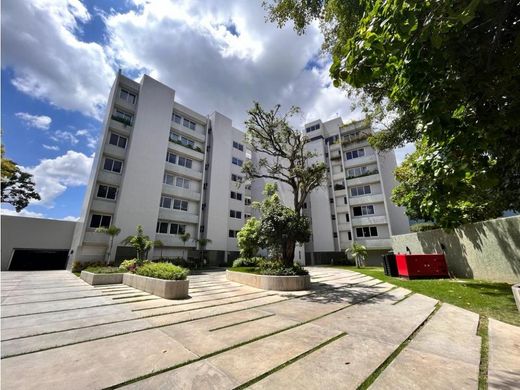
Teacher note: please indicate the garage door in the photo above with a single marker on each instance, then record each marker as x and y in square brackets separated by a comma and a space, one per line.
[38, 259]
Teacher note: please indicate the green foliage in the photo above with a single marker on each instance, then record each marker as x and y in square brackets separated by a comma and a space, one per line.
[112, 232]
[248, 238]
[422, 227]
[281, 227]
[165, 271]
[17, 186]
[78, 266]
[358, 252]
[105, 270]
[140, 242]
[128, 265]
[443, 74]
[190, 263]
[202, 243]
[247, 262]
[185, 237]
[280, 268]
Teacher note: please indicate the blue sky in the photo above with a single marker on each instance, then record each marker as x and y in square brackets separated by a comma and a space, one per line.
[59, 58]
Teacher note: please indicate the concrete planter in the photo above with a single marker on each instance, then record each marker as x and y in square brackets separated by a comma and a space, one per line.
[269, 282]
[516, 294]
[98, 279]
[169, 289]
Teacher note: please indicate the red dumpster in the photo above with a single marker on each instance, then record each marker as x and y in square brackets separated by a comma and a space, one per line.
[422, 266]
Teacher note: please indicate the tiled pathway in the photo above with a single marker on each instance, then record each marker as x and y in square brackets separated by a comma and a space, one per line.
[61, 333]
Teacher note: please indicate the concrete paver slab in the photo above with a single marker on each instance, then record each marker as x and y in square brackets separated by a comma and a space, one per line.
[504, 356]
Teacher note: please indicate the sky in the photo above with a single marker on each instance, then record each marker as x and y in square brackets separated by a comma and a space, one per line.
[60, 57]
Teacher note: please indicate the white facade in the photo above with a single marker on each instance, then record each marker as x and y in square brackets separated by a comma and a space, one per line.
[161, 165]
[355, 204]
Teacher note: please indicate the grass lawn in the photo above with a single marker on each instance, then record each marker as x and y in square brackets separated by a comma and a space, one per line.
[489, 299]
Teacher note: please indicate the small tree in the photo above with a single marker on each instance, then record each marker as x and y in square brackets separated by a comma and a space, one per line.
[248, 238]
[17, 185]
[159, 244]
[358, 252]
[202, 242]
[185, 237]
[112, 232]
[140, 242]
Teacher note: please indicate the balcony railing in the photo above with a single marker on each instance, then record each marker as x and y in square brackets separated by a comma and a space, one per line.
[374, 172]
[196, 148]
[338, 187]
[122, 120]
[350, 140]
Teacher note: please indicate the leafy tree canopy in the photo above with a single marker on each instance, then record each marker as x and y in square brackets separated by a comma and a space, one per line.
[17, 185]
[447, 75]
[248, 238]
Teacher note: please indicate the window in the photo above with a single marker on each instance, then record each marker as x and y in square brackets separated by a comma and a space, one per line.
[176, 118]
[113, 165]
[238, 146]
[312, 128]
[168, 179]
[355, 154]
[171, 158]
[174, 137]
[367, 231]
[166, 202]
[237, 161]
[99, 220]
[182, 182]
[180, 204]
[333, 217]
[117, 140]
[305, 205]
[175, 228]
[347, 217]
[331, 200]
[345, 200]
[363, 210]
[236, 178]
[201, 229]
[107, 192]
[189, 124]
[248, 187]
[123, 116]
[247, 216]
[358, 191]
[247, 201]
[127, 96]
[335, 235]
[235, 214]
[185, 162]
[353, 172]
[162, 227]
[236, 195]
[232, 233]
[349, 236]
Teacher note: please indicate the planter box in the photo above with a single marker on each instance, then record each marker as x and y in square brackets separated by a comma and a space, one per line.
[269, 282]
[169, 289]
[98, 279]
[516, 294]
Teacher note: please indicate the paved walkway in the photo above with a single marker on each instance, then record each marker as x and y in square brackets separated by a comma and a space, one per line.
[60, 333]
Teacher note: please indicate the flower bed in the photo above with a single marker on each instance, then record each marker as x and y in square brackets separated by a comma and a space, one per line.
[96, 278]
[168, 289]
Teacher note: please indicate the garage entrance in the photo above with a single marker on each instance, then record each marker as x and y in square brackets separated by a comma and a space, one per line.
[38, 259]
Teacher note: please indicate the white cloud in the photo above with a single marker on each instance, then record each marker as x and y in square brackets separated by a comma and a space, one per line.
[23, 213]
[39, 121]
[64, 136]
[48, 60]
[90, 139]
[70, 218]
[54, 176]
[51, 147]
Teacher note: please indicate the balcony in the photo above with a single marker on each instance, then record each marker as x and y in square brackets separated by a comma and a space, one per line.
[342, 208]
[342, 192]
[335, 156]
[188, 172]
[366, 199]
[127, 106]
[369, 220]
[180, 192]
[365, 160]
[173, 240]
[109, 177]
[338, 187]
[372, 177]
[186, 151]
[120, 127]
[103, 206]
[124, 121]
[115, 151]
[178, 216]
[338, 176]
[375, 243]
[343, 226]
[93, 238]
[193, 134]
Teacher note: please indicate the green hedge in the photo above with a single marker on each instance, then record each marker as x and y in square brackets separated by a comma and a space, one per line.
[165, 271]
[104, 270]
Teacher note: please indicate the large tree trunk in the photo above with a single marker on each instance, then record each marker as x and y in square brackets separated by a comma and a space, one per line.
[288, 254]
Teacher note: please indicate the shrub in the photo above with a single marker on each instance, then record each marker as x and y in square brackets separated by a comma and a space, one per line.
[247, 262]
[162, 271]
[179, 261]
[128, 265]
[277, 268]
[104, 270]
[423, 226]
[78, 266]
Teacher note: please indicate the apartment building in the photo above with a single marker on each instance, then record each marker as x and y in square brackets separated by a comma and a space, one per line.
[172, 170]
[355, 204]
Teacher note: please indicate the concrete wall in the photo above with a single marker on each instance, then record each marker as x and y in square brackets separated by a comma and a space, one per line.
[33, 233]
[487, 250]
